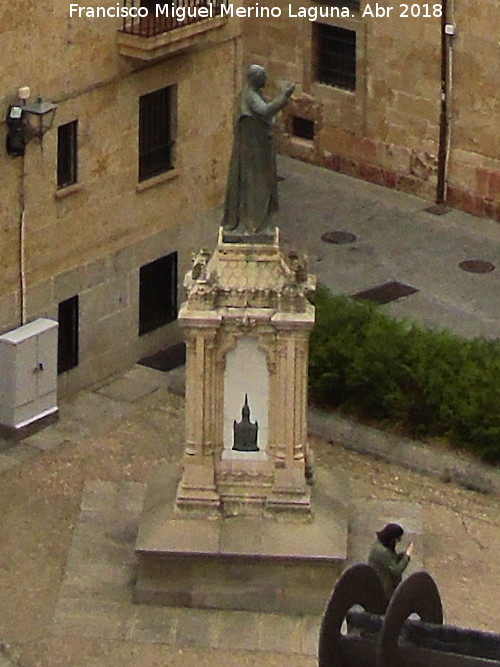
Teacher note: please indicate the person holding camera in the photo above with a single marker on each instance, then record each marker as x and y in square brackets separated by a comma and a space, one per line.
[388, 563]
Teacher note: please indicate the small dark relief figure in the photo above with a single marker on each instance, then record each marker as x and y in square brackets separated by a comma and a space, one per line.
[244, 432]
[251, 194]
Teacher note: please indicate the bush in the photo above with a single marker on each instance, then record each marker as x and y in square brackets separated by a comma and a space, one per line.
[432, 383]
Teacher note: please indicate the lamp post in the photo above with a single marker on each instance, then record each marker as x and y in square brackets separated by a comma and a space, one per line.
[39, 116]
[25, 121]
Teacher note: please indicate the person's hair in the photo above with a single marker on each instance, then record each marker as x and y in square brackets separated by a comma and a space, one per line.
[389, 534]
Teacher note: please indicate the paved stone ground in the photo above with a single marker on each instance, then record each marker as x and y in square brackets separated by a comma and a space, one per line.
[70, 506]
[70, 495]
[95, 597]
[397, 239]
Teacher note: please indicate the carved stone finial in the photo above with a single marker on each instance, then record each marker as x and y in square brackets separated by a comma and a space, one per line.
[298, 264]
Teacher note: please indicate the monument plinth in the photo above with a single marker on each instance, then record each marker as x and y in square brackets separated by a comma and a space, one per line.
[235, 527]
[246, 321]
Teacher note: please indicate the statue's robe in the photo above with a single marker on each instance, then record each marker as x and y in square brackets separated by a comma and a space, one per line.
[251, 194]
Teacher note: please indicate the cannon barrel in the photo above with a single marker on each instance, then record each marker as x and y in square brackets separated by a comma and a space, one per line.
[384, 636]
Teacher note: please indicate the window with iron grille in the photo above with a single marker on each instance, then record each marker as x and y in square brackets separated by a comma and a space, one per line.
[335, 56]
[67, 341]
[156, 132]
[67, 146]
[157, 293]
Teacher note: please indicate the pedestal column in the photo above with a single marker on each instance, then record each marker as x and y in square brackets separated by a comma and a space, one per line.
[197, 486]
[290, 490]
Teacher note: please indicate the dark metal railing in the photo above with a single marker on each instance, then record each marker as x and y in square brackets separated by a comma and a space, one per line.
[165, 16]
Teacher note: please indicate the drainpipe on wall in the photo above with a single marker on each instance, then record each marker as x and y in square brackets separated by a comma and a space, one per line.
[447, 32]
[22, 243]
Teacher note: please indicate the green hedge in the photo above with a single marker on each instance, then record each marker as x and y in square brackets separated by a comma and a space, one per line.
[431, 383]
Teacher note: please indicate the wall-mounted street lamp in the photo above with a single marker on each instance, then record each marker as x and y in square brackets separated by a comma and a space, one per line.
[25, 121]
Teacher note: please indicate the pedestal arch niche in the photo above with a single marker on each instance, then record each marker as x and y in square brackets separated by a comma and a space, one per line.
[244, 469]
[246, 403]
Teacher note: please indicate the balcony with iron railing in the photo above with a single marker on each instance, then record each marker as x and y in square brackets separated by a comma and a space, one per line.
[153, 30]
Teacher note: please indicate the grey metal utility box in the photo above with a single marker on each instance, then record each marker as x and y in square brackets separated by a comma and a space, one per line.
[28, 375]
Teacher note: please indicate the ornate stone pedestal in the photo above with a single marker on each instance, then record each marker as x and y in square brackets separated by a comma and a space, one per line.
[246, 320]
[240, 517]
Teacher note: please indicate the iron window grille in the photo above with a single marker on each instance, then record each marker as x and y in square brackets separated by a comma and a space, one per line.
[157, 293]
[335, 56]
[67, 341]
[67, 154]
[156, 132]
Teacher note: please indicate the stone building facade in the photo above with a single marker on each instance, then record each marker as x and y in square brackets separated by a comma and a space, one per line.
[100, 217]
[369, 95]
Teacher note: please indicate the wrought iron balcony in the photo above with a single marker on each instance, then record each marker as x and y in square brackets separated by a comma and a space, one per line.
[167, 28]
[171, 15]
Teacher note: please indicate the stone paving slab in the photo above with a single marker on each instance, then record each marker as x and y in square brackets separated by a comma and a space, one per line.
[7, 462]
[145, 374]
[324, 537]
[128, 389]
[7, 657]
[21, 452]
[47, 439]
[87, 411]
[95, 597]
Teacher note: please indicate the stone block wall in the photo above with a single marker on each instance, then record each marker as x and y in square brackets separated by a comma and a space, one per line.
[91, 238]
[386, 131]
[299, 586]
[474, 176]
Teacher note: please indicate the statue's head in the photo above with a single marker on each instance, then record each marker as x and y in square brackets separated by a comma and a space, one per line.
[257, 76]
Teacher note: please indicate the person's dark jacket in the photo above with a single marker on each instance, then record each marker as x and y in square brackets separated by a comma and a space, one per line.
[389, 565]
